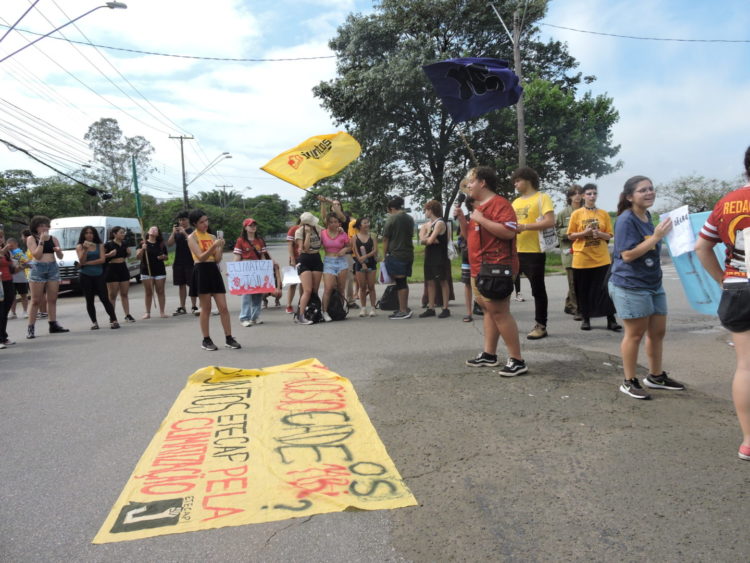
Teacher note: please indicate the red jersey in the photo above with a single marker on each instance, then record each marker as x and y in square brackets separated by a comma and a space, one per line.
[5, 273]
[725, 224]
[290, 238]
[255, 250]
[483, 246]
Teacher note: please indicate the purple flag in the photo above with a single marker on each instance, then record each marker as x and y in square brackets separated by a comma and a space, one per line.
[473, 86]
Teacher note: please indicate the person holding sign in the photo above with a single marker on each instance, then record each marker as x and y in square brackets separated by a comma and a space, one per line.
[250, 246]
[590, 229]
[730, 223]
[207, 281]
[636, 288]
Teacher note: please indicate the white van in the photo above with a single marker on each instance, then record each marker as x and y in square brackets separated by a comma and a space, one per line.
[68, 229]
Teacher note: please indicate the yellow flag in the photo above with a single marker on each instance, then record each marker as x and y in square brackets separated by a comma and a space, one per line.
[318, 157]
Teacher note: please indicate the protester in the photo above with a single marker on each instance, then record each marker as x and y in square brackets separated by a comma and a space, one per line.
[398, 249]
[207, 282]
[309, 264]
[20, 281]
[728, 223]
[574, 200]
[590, 229]
[7, 268]
[434, 235]
[182, 267]
[365, 252]
[44, 280]
[535, 212]
[250, 246]
[90, 251]
[293, 252]
[463, 249]
[117, 274]
[153, 255]
[491, 234]
[336, 245]
[636, 286]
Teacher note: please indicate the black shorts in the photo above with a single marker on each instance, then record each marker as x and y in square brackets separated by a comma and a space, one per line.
[370, 263]
[734, 307]
[309, 263]
[207, 278]
[117, 273]
[182, 274]
[22, 288]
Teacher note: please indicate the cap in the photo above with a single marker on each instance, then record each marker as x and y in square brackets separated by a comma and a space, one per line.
[249, 221]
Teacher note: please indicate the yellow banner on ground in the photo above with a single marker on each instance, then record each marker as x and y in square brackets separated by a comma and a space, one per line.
[243, 446]
[318, 157]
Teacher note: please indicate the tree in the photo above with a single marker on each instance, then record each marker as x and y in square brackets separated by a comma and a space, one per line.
[382, 96]
[697, 192]
[113, 153]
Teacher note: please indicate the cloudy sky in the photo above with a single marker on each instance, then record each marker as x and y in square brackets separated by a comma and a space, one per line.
[683, 105]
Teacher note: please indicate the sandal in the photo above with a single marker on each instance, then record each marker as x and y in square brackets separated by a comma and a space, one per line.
[146, 316]
[95, 326]
[114, 324]
[468, 319]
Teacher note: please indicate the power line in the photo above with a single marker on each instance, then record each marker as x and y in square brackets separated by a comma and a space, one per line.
[648, 38]
[40, 161]
[194, 57]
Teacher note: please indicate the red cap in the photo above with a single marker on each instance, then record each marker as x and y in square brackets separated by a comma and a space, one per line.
[249, 221]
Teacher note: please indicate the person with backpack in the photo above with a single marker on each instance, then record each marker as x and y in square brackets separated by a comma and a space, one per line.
[309, 264]
[336, 244]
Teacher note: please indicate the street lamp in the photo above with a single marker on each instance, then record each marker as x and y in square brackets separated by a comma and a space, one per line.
[110, 5]
[214, 162]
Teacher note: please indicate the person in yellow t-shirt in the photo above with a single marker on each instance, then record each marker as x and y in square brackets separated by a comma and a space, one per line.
[535, 212]
[590, 229]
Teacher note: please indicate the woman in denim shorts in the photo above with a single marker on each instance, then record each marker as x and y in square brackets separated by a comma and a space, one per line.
[335, 265]
[44, 273]
[636, 289]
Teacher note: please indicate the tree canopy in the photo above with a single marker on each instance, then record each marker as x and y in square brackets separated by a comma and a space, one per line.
[697, 192]
[410, 143]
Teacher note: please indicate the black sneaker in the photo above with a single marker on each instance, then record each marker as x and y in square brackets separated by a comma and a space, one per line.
[633, 388]
[129, 318]
[208, 344]
[232, 343]
[398, 315]
[483, 360]
[195, 311]
[427, 313]
[662, 382]
[30, 332]
[513, 368]
[179, 311]
[444, 314]
[477, 310]
[54, 327]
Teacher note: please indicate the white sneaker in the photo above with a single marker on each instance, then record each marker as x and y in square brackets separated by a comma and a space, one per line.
[326, 317]
[363, 312]
[12, 316]
[247, 323]
[2, 346]
[372, 313]
[25, 315]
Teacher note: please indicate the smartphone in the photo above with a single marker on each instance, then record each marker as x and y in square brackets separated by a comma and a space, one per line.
[219, 234]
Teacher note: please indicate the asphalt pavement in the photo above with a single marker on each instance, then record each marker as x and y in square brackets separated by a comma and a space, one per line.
[557, 465]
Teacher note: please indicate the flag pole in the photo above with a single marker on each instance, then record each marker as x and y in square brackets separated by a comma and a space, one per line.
[139, 213]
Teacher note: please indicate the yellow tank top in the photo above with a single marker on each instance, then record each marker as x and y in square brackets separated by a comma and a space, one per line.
[205, 240]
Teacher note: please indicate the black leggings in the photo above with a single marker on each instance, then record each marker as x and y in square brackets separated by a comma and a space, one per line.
[532, 265]
[5, 305]
[95, 286]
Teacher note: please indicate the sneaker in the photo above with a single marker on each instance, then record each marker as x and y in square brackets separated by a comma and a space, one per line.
[289, 311]
[2, 346]
[577, 317]
[427, 313]
[208, 344]
[326, 317]
[398, 315]
[372, 313]
[539, 331]
[30, 332]
[477, 310]
[12, 316]
[362, 313]
[613, 326]
[7, 342]
[258, 322]
[586, 324]
[25, 315]
[519, 297]
[633, 388]
[232, 343]
[129, 318]
[483, 360]
[55, 328]
[179, 311]
[195, 311]
[513, 368]
[247, 323]
[43, 315]
[300, 319]
[662, 382]
[444, 314]
[744, 453]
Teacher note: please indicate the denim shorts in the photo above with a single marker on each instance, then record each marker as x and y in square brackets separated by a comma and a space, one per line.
[335, 264]
[397, 268]
[44, 272]
[638, 303]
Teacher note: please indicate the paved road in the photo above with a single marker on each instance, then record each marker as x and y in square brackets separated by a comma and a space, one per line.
[557, 465]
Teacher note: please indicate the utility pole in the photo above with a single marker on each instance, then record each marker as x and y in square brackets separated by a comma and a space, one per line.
[224, 190]
[515, 39]
[182, 158]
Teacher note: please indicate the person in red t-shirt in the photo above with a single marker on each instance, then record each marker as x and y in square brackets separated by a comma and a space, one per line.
[250, 246]
[491, 236]
[728, 223]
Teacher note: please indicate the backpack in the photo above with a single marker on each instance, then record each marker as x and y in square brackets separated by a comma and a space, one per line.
[389, 300]
[313, 309]
[338, 308]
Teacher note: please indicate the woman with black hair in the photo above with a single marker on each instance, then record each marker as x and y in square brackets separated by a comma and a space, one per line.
[153, 254]
[118, 275]
[90, 250]
[365, 252]
[250, 246]
[207, 281]
[44, 280]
